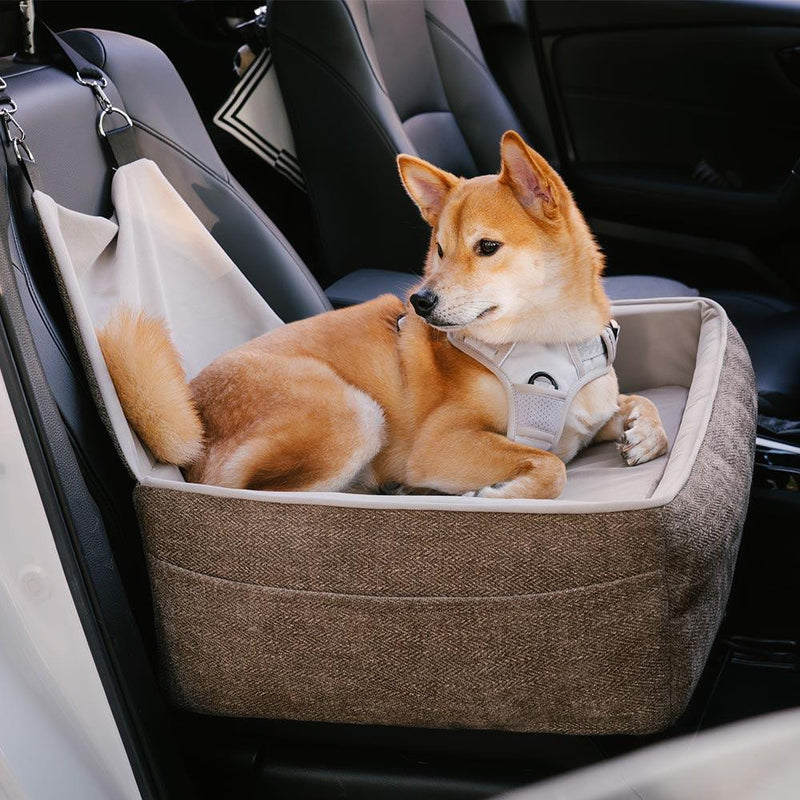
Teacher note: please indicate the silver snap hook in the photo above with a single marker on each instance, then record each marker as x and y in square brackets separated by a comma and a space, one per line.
[102, 82]
[12, 125]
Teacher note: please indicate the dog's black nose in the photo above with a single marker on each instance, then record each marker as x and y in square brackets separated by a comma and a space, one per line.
[424, 301]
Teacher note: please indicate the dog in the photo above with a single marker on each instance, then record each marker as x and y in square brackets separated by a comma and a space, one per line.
[389, 392]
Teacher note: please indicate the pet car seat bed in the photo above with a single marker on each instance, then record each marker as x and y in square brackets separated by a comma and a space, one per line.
[593, 613]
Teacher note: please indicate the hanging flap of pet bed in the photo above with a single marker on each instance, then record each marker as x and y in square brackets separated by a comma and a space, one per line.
[153, 255]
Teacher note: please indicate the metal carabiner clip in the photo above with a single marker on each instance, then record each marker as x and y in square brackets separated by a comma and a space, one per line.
[102, 81]
[10, 123]
[9, 108]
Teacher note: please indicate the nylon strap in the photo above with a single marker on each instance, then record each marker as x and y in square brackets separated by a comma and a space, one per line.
[122, 138]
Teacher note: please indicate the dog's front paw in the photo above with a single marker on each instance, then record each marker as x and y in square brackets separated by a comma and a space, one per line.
[643, 440]
[496, 490]
[487, 491]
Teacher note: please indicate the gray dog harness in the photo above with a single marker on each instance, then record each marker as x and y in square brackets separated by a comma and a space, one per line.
[541, 380]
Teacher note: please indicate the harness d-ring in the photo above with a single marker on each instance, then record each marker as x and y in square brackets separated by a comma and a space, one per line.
[536, 375]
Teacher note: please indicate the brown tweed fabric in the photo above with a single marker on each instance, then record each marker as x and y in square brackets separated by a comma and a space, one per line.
[703, 524]
[572, 623]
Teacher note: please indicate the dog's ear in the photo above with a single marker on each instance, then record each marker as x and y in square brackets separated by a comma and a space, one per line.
[535, 183]
[427, 185]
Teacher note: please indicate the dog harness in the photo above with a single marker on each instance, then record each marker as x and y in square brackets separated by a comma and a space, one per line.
[541, 380]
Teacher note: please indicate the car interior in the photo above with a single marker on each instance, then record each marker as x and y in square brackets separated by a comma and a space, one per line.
[677, 128]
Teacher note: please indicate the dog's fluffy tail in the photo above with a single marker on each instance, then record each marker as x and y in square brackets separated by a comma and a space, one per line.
[151, 385]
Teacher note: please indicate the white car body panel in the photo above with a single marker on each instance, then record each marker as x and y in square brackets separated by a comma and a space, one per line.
[58, 737]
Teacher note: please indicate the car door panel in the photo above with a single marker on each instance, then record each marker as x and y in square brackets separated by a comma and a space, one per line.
[681, 118]
[685, 100]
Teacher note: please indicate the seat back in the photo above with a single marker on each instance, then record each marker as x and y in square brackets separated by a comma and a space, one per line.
[364, 80]
[59, 117]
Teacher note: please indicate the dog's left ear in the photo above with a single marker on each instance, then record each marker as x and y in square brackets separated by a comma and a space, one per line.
[535, 183]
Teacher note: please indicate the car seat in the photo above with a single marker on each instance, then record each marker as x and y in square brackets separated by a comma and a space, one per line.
[406, 76]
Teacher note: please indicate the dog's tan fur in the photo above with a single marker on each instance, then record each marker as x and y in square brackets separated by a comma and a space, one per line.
[344, 400]
[145, 365]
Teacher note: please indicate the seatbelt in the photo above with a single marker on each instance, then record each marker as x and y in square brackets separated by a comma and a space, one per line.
[122, 139]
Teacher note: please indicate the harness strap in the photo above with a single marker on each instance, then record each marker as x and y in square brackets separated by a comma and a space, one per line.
[541, 381]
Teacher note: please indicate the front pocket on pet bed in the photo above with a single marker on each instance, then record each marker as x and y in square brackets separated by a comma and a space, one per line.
[588, 660]
[395, 551]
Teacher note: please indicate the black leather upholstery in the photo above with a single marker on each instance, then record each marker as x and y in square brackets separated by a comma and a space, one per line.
[364, 81]
[504, 28]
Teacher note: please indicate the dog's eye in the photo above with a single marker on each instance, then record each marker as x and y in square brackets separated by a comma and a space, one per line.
[487, 247]
[439, 249]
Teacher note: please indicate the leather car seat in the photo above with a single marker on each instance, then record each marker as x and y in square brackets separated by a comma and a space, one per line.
[364, 80]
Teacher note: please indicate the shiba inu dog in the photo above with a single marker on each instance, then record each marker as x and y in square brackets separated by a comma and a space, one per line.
[426, 395]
